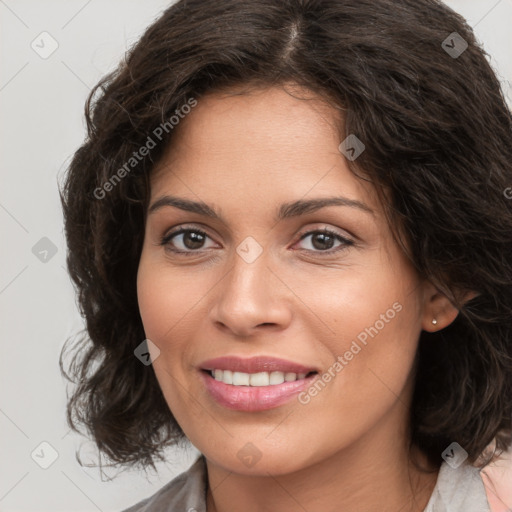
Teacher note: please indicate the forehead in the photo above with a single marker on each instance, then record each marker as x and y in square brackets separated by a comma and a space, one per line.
[268, 143]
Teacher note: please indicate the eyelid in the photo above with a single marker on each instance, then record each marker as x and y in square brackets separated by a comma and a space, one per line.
[345, 241]
[180, 229]
[326, 228]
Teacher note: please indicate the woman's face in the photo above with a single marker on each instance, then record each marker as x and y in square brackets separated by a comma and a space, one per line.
[262, 284]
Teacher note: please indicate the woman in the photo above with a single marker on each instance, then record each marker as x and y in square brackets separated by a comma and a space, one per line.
[291, 238]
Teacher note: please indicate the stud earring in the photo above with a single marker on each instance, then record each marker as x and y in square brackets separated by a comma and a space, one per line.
[434, 321]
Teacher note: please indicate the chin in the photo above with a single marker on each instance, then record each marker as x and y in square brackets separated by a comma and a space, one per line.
[250, 460]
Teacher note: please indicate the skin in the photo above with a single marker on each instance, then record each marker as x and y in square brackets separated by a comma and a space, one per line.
[497, 477]
[299, 300]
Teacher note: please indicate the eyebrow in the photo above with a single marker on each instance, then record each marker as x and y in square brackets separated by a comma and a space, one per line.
[286, 210]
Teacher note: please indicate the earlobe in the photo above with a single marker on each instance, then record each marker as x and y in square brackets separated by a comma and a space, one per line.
[441, 319]
[438, 311]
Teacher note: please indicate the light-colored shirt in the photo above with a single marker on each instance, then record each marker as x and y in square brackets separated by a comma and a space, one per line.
[458, 489]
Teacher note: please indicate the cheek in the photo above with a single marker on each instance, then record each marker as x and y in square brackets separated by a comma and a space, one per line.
[164, 299]
[355, 298]
[163, 306]
[153, 301]
[371, 317]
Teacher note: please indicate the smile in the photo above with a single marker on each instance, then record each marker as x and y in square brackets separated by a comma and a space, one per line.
[254, 384]
[255, 379]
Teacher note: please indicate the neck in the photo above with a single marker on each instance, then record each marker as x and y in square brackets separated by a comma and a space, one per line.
[374, 473]
[325, 488]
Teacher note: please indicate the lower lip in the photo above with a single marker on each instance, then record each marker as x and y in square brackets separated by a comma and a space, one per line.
[254, 398]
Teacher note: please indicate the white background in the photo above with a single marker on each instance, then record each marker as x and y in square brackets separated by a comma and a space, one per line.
[41, 123]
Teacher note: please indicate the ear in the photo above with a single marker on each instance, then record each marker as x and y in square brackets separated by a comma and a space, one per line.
[438, 310]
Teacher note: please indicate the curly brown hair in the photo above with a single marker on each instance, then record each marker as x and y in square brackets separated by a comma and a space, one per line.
[438, 138]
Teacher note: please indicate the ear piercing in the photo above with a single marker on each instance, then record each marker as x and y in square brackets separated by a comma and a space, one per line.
[434, 321]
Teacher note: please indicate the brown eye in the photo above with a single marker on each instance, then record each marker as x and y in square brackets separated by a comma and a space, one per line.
[324, 240]
[187, 240]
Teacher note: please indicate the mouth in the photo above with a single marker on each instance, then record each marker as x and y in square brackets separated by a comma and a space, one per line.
[258, 364]
[259, 379]
[255, 384]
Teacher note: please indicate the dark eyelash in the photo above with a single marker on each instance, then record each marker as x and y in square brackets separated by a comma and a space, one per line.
[167, 238]
[346, 241]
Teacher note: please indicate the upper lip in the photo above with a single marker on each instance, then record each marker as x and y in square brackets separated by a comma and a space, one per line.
[255, 365]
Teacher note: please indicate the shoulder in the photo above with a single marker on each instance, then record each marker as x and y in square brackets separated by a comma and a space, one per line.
[497, 477]
[185, 492]
[458, 489]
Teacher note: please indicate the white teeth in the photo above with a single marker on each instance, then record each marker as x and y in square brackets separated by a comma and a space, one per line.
[259, 379]
[255, 379]
[276, 378]
[239, 378]
[224, 376]
[227, 376]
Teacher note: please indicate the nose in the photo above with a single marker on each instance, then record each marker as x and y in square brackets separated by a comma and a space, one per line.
[251, 297]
